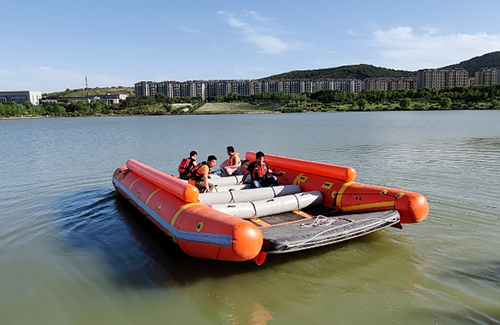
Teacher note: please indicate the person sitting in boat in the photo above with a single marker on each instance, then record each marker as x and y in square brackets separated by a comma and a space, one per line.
[187, 165]
[199, 175]
[262, 175]
[231, 165]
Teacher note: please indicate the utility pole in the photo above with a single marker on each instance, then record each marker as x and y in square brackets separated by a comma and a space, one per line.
[87, 88]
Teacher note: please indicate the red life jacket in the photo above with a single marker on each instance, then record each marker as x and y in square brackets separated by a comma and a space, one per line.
[259, 171]
[185, 168]
[184, 165]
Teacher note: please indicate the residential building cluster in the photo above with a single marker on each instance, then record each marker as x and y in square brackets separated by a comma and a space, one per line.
[426, 78]
[439, 78]
[205, 89]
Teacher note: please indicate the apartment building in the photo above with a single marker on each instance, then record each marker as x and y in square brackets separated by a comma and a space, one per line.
[192, 88]
[403, 83]
[439, 78]
[390, 84]
[21, 96]
[487, 76]
[205, 89]
[377, 83]
[142, 88]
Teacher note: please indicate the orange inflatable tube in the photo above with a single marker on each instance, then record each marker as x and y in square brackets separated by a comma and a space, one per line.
[311, 167]
[357, 197]
[180, 189]
[198, 230]
[343, 195]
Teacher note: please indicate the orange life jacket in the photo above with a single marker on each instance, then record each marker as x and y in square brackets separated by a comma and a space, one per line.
[232, 159]
[195, 175]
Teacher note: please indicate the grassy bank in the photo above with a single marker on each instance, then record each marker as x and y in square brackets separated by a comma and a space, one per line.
[94, 92]
[269, 107]
[235, 108]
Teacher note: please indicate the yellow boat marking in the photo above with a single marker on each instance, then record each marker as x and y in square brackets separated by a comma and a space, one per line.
[387, 204]
[130, 187]
[327, 185]
[199, 227]
[151, 195]
[339, 195]
[184, 207]
[303, 214]
[299, 179]
[260, 222]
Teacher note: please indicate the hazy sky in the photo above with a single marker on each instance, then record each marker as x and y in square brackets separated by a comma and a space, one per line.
[51, 46]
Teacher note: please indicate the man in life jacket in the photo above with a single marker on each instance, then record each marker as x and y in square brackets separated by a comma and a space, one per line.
[231, 165]
[199, 175]
[187, 165]
[260, 172]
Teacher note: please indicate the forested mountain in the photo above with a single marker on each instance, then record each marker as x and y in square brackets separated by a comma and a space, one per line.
[360, 71]
[490, 60]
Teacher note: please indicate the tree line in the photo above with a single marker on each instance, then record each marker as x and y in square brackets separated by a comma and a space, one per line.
[160, 104]
[324, 100]
[477, 96]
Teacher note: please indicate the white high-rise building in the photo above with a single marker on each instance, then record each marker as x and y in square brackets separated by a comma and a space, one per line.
[21, 96]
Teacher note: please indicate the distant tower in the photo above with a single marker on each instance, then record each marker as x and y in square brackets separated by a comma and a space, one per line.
[87, 88]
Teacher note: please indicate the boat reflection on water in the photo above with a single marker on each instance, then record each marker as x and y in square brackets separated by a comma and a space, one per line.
[153, 255]
[135, 255]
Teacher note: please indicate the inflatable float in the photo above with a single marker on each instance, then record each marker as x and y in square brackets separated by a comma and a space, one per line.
[315, 204]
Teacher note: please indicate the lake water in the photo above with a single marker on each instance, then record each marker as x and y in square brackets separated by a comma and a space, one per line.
[72, 251]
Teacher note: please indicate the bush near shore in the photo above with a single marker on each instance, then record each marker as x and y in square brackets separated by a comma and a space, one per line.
[474, 97]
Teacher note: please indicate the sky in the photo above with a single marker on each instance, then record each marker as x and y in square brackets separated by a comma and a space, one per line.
[52, 46]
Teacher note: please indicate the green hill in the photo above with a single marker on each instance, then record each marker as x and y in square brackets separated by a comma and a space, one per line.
[360, 71]
[93, 92]
[489, 60]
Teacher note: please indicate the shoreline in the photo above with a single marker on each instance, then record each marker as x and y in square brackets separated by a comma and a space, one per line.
[255, 112]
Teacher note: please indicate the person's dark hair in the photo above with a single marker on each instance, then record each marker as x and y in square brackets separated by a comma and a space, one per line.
[211, 157]
[230, 149]
[192, 153]
[259, 154]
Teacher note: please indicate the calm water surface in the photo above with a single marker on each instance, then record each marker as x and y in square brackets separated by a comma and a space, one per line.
[74, 252]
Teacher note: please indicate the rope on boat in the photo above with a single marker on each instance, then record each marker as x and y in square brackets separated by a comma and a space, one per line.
[320, 220]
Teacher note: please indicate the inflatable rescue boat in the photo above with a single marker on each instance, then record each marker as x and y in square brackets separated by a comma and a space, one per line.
[315, 204]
